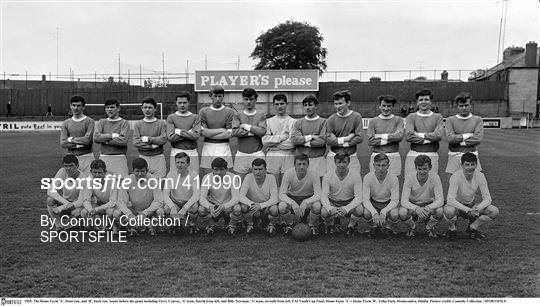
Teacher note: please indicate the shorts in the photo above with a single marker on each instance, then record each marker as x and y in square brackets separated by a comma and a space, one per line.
[354, 164]
[395, 162]
[318, 165]
[409, 162]
[212, 150]
[116, 164]
[156, 164]
[242, 161]
[343, 203]
[279, 161]
[84, 162]
[379, 205]
[193, 159]
[454, 162]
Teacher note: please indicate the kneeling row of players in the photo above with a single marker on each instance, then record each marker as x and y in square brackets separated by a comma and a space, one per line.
[344, 195]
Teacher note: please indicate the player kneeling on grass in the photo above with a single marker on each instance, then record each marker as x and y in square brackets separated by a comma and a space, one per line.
[422, 198]
[300, 193]
[341, 195]
[219, 198]
[66, 203]
[142, 197]
[99, 201]
[181, 192]
[259, 196]
[381, 197]
[464, 184]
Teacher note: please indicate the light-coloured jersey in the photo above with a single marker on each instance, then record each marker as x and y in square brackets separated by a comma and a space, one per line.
[336, 190]
[457, 126]
[183, 186]
[216, 190]
[275, 127]
[381, 192]
[70, 194]
[463, 191]
[308, 186]
[141, 196]
[420, 195]
[266, 194]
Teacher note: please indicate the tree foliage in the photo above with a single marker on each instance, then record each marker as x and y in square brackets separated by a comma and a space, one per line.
[290, 45]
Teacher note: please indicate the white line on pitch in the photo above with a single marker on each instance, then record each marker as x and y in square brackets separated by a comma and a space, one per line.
[536, 213]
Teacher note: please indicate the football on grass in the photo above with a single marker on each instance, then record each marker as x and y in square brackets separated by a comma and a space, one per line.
[301, 232]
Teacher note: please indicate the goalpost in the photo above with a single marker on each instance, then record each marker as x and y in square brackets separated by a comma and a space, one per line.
[135, 105]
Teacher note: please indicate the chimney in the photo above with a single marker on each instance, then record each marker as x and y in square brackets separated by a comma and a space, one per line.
[530, 54]
[511, 51]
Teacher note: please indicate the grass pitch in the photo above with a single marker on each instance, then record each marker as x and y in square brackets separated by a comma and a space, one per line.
[505, 264]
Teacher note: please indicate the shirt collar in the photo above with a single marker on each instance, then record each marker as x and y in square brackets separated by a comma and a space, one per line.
[461, 117]
[312, 119]
[424, 115]
[80, 119]
[183, 115]
[150, 120]
[387, 117]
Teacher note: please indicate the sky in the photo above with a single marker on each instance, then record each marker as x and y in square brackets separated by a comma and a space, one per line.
[359, 35]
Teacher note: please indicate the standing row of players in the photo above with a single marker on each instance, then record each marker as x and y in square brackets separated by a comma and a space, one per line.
[281, 134]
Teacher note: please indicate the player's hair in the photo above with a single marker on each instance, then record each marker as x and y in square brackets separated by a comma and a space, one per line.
[258, 162]
[70, 159]
[462, 97]
[219, 163]
[112, 101]
[139, 163]
[310, 98]
[301, 156]
[387, 99]
[149, 100]
[341, 156]
[280, 97]
[250, 92]
[380, 157]
[424, 92]
[469, 157]
[217, 90]
[98, 164]
[77, 98]
[182, 155]
[183, 94]
[346, 94]
[421, 160]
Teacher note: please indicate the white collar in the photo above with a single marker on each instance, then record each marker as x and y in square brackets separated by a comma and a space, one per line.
[80, 119]
[312, 119]
[386, 118]
[346, 115]
[183, 115]
[250, 114]
[114, 120]
[217, 109]
[424, 115]
[150, 120]
[461, 117]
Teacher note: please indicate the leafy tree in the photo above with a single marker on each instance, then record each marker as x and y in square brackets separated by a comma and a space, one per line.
[290, 45]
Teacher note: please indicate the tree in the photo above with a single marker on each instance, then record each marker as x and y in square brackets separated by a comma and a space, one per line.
[290, 45]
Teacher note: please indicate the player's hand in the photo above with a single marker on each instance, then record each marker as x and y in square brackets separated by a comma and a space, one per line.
[333, 211]
[298, 211]
[303, 206]
[219, 210]
[255, 207]
[92, 212]
[422, 213]
[57, 209]
[93, 200]
[349, 137]
[341, 212]
[377, 219]
[473, 213]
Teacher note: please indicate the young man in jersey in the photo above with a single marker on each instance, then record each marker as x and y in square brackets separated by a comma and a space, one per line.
[183, 131]
[343, 131]
[216, 127]
[341, 195]
[464, 184]
[280, 154]
[249, 126]
[76, 134]
[308, 136]
[149, 136]
[259, 196]
[112, 133]
[67, 202]
[422, 198]
[381, 197]
[464, 132]
[219, 198]
[140, 198]
[424, 129]
[182, 197]
[300, 193]
[385, 132]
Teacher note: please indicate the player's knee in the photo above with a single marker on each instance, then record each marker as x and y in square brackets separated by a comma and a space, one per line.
[109, 212]
[160, 212]
[76, 212]
[367, 214]
[393, 215]
[203, 211]
[324, 213]
[237, 209]
[316, 207]
[50, 201]
[358, 211]
[84, 213]
[283, 208]
[404, 213]
[194, 208]
[449, 211]
[166, 209]
[273, 210]
[117, 213]
[438, 213]
[492, 211]
[244, 208]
